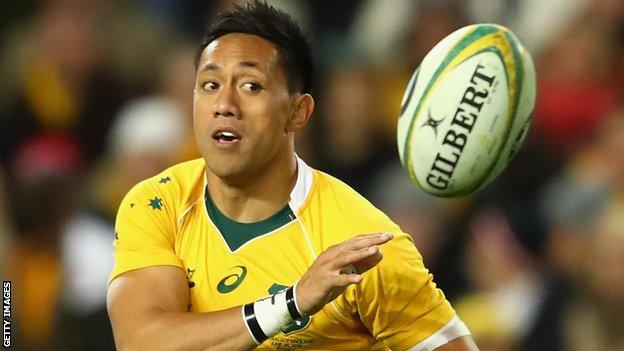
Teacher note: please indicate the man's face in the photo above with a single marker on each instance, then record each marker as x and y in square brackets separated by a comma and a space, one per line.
[241, 106]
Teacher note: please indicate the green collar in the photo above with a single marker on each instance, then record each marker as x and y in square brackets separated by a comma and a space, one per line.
[236, 234]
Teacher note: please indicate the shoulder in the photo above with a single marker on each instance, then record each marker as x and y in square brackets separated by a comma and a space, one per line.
[338, 197]
[146, 227]
[342, 206]
[172, 190]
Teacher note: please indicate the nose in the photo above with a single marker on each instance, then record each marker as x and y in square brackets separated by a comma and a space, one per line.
[226, 104]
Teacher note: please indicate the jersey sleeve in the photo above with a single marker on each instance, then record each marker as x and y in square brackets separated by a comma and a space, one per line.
[144, 231]
[398, 301]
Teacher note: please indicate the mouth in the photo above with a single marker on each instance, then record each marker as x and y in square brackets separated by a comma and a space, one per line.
[226, 136]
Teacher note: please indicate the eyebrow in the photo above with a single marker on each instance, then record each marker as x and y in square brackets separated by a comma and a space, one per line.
[247, 64]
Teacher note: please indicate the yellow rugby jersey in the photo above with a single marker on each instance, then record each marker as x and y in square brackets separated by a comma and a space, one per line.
[169, 219]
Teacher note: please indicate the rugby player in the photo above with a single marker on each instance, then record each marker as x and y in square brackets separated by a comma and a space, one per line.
[249, 247]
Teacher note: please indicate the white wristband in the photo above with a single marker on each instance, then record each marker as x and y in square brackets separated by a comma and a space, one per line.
[272, 313]
[266, 317]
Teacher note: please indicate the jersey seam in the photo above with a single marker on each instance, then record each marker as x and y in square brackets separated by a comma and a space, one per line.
[186, 211]
[308, 198]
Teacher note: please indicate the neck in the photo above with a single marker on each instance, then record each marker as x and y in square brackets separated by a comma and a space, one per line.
[259, 196]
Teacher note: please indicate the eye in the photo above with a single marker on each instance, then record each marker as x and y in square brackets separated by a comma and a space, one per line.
[251, 86]
[210, 85]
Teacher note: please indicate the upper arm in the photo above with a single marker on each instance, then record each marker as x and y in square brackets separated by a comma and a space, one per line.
[145, 230]
[400, 304]
[148, 276]
[135, 296]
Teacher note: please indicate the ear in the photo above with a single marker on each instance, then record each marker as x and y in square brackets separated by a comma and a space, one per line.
[302, 110]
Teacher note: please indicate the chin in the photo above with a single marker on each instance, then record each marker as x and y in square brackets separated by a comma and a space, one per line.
[230, 172]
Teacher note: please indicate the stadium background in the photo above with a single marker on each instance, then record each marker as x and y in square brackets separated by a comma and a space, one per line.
[96, 95]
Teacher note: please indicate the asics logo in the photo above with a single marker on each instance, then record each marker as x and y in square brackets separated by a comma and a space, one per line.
[232, 281]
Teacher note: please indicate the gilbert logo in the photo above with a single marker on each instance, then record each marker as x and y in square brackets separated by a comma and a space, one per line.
[232, 281]
[433, 123]
[456, 137]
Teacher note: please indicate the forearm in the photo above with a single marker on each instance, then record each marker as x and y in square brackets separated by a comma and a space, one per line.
[147, 306]
[165, 330]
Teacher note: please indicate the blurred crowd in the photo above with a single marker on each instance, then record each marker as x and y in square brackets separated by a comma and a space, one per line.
[97, 95]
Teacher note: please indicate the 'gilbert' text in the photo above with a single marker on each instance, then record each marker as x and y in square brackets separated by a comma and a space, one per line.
[463, 121]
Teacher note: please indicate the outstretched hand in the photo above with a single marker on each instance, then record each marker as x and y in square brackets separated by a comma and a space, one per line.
[336, 268]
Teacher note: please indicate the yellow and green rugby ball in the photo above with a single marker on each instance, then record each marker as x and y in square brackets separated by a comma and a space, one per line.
[466, 110]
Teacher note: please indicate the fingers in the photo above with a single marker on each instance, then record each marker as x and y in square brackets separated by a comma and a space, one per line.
[361, 242]
[369, 262]
[358, 248]
[338, 267]
[343, 280]
[354, 256]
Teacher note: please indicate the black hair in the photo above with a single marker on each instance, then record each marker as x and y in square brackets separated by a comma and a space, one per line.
[260, 19]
